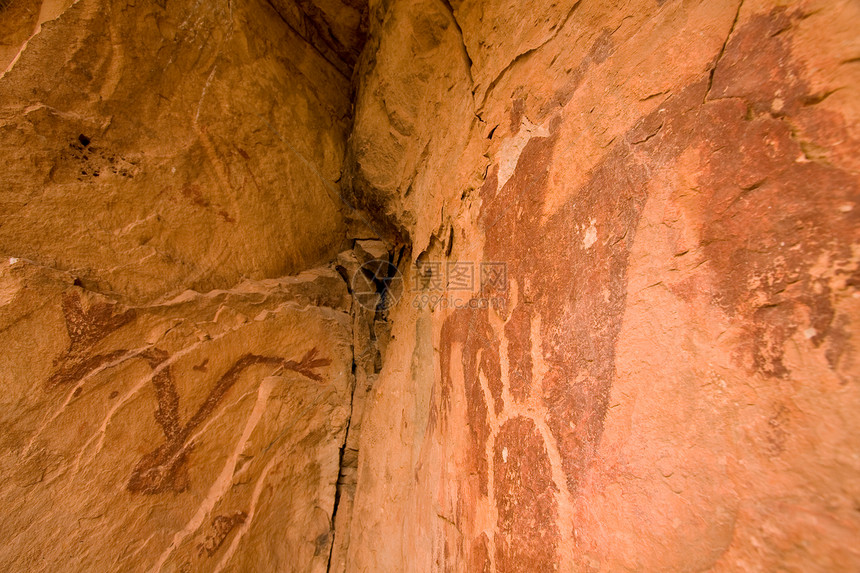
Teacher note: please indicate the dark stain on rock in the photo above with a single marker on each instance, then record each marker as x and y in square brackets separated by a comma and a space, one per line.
[518, 331]
[839, 346]
[767, 213]
[165, 468]
[74, 368]
[167, 412]
[770, 210]
[194, 194]
[321, 544]
[87, 326]
[81, 159]
[479, 556]
[480, 355]
[578, 288]
[518, 108]
[221, 526]
[527, 534]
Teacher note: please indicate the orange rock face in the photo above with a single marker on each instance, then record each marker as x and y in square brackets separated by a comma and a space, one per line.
[174, 436]
[174, 146]
[671, 382]
[411, 285]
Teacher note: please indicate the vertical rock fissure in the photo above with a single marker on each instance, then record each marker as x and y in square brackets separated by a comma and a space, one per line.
[466, 55]
[713, 70]
[369, 285]
[340, 483]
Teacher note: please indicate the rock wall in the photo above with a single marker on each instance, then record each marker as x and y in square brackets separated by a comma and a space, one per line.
[172, 400]
[667, 380]
[181, 436]
[160, 146]
[429, 285]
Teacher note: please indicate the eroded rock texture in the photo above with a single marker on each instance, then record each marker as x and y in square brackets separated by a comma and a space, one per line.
[158, 146]
[170, 401]
[671, 384]
[203, 370]
[181, 436]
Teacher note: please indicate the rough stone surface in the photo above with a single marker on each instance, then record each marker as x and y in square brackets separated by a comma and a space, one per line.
[172, 402]
[666, 380]
[160, 146]
[672, 382]
[182, 436]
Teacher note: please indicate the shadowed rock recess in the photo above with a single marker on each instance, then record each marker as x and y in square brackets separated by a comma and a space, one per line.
[429, 285]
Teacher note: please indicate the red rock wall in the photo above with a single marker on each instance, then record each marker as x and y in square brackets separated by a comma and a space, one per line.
[183, 436]
[666, 380]
[156, 147]
[169, 400]
[671, 384]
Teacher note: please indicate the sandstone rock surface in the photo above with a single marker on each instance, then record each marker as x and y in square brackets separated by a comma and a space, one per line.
[672, 382]
[180, 436]
[170, 401]
[240, 332]
[154, 147]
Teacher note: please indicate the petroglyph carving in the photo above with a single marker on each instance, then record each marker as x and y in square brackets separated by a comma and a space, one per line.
[86, 327]
[222, 525]
[165, 467]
